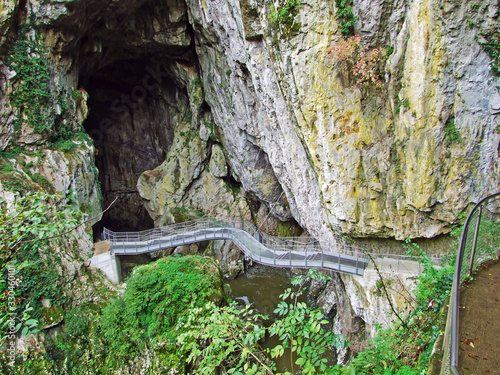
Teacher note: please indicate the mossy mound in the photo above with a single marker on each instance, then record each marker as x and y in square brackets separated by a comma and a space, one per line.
[157, 295]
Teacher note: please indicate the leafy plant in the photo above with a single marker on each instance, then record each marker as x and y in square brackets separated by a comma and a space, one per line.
[404, 349]
[77, 321]
[451, 132]
[365, 64]
[303, 330]
[29, 228]
[210, 125]
[228, 340]
[401, 103]
[197, 83]
[157, 295]
[346, 16]
[77, 95]
[488, 239]
[32, 96]
[489, 40]
[26, 325]
[283, 16]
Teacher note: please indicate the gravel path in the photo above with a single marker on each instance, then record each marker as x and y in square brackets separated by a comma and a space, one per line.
[479, 348]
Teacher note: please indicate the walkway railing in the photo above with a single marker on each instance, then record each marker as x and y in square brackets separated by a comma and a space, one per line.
[261, 247]
[480, 242]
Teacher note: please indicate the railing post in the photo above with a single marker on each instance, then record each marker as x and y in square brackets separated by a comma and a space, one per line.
[474, 243]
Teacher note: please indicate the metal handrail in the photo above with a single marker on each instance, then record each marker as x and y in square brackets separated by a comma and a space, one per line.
[301, 251]
[279, 243]
[457, 279]
[267, 249]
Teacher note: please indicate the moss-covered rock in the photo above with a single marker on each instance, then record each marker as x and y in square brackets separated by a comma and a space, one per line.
[218, 166]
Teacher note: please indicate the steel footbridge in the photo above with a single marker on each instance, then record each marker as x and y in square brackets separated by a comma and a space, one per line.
[300, 252]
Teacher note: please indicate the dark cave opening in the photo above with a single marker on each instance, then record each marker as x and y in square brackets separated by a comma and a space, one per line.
[133, 68]
[133, 105]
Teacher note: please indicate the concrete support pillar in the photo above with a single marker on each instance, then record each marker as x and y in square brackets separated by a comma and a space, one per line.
[109, 264]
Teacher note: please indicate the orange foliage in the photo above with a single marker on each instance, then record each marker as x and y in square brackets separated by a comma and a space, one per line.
[366, 63]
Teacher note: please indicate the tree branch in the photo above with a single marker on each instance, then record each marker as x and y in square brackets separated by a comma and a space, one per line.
[385, 290]
[71, 229]
[250, 352]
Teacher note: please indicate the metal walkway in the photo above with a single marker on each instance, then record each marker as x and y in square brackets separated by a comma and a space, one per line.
[273, 251]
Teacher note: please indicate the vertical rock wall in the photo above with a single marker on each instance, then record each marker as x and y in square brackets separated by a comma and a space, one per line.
[254, 118]
[354, 158]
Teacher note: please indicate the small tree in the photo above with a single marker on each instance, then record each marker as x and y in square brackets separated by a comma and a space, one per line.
[30, 228]
[228, 338]
[303, 330]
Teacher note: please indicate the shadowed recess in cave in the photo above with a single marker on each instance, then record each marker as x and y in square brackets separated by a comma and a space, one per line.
[133, 107]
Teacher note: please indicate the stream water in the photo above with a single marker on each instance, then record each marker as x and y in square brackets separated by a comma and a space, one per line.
[261, 287]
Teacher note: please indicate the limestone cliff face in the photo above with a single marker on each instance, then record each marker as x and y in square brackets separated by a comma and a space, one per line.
[215, 108]
[359, 304]
[298, 134]
[345, 156]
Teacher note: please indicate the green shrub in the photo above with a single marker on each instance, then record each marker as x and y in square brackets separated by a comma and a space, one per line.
[491, 44]
[42, 181]
[157, 295]
[226, 339]
[28, 234]
[77, 95]
[345, 16]
[283, 17]
[451, 132]
[406, 349]
[77, 321]
[34, 94]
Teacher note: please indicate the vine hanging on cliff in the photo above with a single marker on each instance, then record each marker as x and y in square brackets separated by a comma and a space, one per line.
[32, 96]
[346, 17]
[283, 16]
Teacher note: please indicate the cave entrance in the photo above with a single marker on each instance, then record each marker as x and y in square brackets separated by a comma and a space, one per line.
[133, 105]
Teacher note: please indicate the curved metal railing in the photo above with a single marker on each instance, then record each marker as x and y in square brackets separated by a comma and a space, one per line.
[478, 244]
[261, 247]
